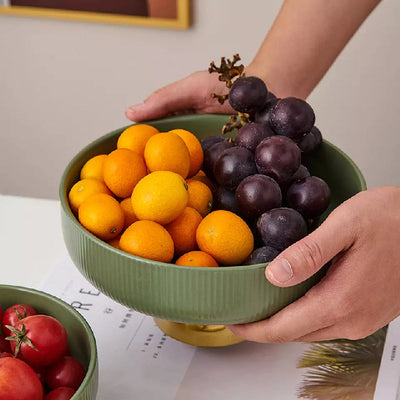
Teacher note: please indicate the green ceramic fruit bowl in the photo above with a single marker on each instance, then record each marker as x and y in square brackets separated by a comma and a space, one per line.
[81, 340]
[211, 296]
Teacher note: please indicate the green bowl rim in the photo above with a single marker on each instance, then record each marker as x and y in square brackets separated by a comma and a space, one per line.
[92, 340]
[67, 210]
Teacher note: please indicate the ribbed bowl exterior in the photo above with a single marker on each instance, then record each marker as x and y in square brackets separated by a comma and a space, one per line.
[181, 294]
[225, 295]
[81, 339]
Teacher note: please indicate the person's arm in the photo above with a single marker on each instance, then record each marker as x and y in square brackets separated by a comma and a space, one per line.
[304, 41]
[302, 44]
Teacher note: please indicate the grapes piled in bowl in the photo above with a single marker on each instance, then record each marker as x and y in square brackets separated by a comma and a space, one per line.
[260, 174]
[228, 295]
[274, 170]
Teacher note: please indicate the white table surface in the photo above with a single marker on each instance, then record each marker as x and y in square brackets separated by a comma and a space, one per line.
[30, 239]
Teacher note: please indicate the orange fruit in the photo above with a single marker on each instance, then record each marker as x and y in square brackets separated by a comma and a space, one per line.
[196, 259]
[148, 239]
[183, 230]
[199, 173]
[122, 170]
[93, 168]
[195, 150]
[83, 189]
[200, 196]
[167, 152]
[102, 215]
[135, 137]
[202, 177]
[114, 242]
[226, 237]
[130, 216]
[160, 196]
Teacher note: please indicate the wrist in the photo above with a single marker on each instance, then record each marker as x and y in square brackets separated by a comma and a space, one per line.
[275, 82]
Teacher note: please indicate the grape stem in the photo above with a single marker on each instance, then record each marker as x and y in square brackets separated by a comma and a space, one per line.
[221, 97]
[227, 71]
[235, 122]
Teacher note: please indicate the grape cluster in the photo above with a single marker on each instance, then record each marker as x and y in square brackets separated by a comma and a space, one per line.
[259, 175]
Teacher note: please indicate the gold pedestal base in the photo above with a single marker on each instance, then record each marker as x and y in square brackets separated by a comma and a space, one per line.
[198, 335]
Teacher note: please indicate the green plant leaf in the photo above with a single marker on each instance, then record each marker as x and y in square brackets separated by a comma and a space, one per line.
[342, 369]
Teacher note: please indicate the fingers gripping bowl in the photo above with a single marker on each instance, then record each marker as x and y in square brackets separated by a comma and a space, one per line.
[228, 295]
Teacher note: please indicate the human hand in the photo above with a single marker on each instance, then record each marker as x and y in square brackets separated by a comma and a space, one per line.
[189, 95]
[360, 292]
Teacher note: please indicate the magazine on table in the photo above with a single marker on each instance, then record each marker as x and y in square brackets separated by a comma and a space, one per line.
[137, 360]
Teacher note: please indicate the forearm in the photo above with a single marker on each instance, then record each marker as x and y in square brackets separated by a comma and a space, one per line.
[304, 41]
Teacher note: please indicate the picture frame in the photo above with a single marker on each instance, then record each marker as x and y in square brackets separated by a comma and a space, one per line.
[174, 14]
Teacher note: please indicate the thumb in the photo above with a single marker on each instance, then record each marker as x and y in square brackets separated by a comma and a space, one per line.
[171, 98]
[305, 257]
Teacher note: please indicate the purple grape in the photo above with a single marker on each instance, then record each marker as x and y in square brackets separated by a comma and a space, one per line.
[208, 141]
[252, 224]
[261, 255]
[309, 196]
[281, 227]
[224, 199]
[233, 165]
[251, 134]
[257, 194]
[248, 94]
[292, 117]
[262, 116]
[211, 154]
[278, 157]
[311, 141]
[301, 173]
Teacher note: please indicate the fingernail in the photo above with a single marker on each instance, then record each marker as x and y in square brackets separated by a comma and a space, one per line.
[132, 109]
[280, 270]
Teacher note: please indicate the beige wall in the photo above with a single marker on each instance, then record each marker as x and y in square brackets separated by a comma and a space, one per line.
[62, 84]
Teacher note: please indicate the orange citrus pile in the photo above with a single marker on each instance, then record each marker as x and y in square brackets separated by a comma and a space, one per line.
[149, 197]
